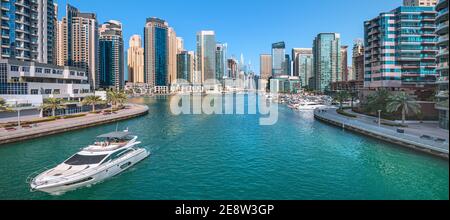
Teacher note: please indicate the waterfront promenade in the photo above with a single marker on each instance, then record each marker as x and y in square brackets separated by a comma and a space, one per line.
[63, 125]
[411, 138]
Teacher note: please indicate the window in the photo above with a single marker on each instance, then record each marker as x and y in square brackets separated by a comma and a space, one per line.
[15, 68]
[56, 91]
[48, 91]
[34, 92]
[75, 91]
[48, 71]
[78, 160]
[38, 70]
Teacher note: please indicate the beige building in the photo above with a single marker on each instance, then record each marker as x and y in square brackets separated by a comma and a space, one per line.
[180, 45]
[61, 43]
[265, 66]
[344, 63]
[173, 50]
[420, 2]
[135, 60]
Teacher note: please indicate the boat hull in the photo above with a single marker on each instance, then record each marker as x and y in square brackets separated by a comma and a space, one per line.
[100, 174]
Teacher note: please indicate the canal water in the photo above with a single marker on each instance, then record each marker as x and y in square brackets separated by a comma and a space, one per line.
[232, 157]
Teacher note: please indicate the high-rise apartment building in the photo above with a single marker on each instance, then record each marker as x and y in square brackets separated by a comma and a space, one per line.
[358, 61]
[294, 56]
[206, 55]
[344, 63]
[221, 60]
[111, 69]
[400, 49]
[135, 59]
[233, 68]
[156, 54]
[180, 45]
[278, 59]
[78, 43]
[327, 60]
[173, 51]
[420, 3]
[265, 69]
[442, 62]
[304, 65]
[287, 65]
[27, 30]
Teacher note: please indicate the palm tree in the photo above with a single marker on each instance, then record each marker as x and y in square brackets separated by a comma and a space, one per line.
[341, 96]
[116, 97]
[3, 106]
[92, 100]
[404, 102]
[121, 98]
[111, 97]
[377, 101]
[53, 104]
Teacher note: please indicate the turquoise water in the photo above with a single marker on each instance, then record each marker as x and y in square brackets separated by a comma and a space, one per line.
[232, 157]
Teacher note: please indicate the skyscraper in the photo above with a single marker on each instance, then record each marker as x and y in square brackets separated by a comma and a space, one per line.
[233, 68]
[419, 3]
[28, 30]
[206, 55]
[442, 62]
[327, 60]
[401, 59]
[111, 69]
[173, 51]
[295, 53]
[278, 59]
[61, 44]
[304, 65]
[358, 61]
[184, 66]
[265, 69]
[180, 45]
[344, 63]
[156, 54]
[78, 46]
[135, 60]
[287, 65]
[221, 60]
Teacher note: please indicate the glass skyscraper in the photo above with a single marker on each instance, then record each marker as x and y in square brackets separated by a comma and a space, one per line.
[111, 55]
[156, 53]
[221, 60]
[327, 60]
[304, 60]
[278, 59]
[442, 62]
[206, 54]
[184, 66]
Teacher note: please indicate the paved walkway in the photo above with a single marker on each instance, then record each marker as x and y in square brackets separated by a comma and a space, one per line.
[62, 125]
[411, 136]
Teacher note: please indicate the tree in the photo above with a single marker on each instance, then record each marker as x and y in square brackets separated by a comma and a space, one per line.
[53, 104]
[377, 101]
[353, 96]
[114, 97]
[3, 106]
[341, 96]
[92, 100]
[404, 102]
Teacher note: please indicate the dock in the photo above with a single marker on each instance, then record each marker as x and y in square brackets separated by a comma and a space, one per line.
[439, 149]
[65, 125]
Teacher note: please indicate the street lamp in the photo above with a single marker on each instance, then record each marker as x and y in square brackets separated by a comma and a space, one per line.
[379, 118]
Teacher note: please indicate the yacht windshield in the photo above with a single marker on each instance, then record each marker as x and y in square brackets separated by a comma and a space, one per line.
[78, 160]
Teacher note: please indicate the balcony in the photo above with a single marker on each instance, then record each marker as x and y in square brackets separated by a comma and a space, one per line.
[443, 40]
[442, 28]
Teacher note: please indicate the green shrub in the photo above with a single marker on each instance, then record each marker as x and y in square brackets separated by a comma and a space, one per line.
[73, 116]
[344, 113]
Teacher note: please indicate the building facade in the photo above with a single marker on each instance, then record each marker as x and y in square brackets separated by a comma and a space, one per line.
[442, 63]
[184, 66]
[206, 55]
[27, 30]
[401, 49]
[358, 61]
[344, 63]
[305, 65]
[327, 61]
[156, 54]
[419, 3]
[173, 51]
[135, 60]
[278, 59]
[221, 61]
[111, 71]
[265, 69]
[21, 78]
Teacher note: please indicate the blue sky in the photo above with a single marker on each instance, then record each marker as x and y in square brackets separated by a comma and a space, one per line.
[248, 26]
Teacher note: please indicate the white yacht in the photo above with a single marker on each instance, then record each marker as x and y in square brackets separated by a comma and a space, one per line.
[306, 106]
[110, 155]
